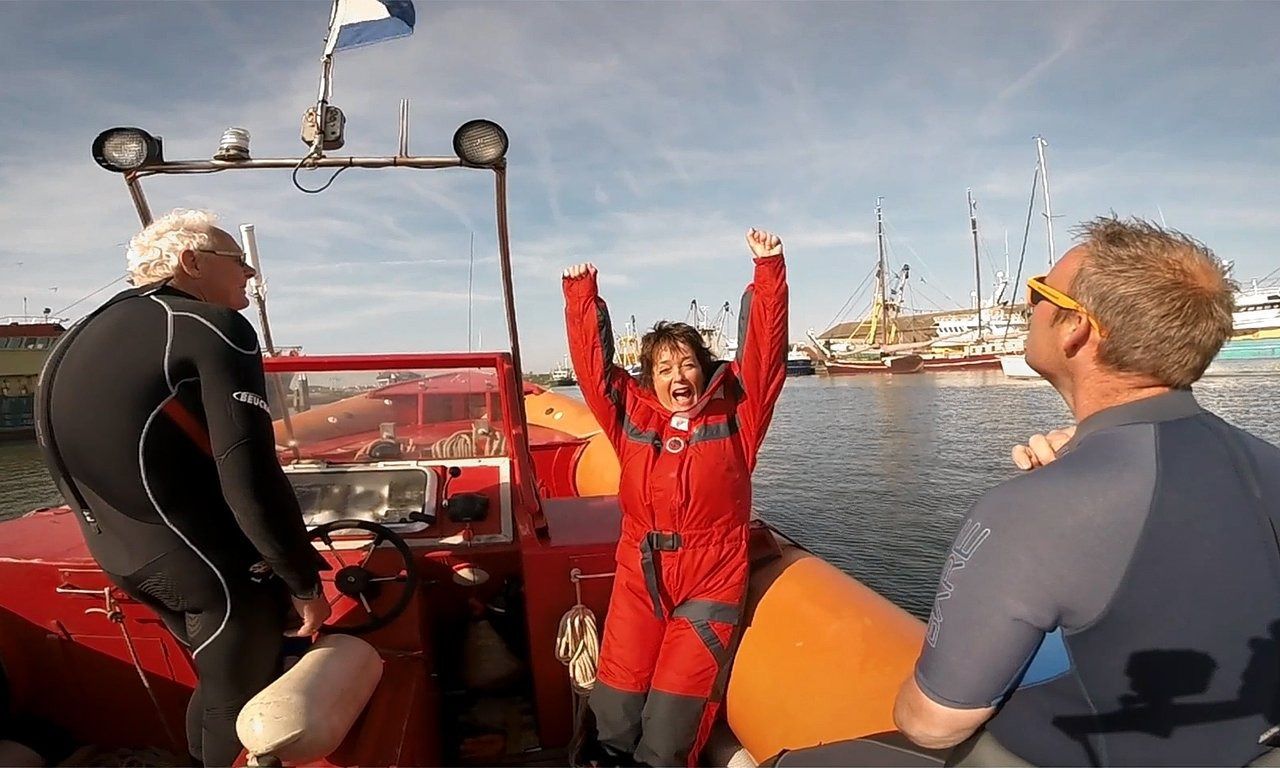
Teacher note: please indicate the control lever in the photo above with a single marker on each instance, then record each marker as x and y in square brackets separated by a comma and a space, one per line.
[429, 516]
[444, 487]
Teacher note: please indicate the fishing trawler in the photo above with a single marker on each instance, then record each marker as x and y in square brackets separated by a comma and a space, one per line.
[799, 361]
[956, 341]
[626, 348]
[470, 522]
[714, 329]
[879, 351]
[562, 375]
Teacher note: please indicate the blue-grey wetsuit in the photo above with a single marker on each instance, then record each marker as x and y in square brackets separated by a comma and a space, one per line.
[1121, 605]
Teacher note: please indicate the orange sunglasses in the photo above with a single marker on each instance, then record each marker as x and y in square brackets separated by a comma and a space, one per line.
[1038, 290]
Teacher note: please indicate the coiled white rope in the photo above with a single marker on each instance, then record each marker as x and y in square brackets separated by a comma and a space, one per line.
[578, 647]
[459, 445]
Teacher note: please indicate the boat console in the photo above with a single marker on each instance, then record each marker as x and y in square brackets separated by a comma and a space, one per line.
[432, 503]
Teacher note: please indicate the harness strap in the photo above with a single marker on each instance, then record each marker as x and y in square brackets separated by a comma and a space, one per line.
[650, 563]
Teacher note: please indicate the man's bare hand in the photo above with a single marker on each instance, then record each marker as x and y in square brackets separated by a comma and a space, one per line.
[578, 271]
[313, 613]
[763, 243]
[1042, 449]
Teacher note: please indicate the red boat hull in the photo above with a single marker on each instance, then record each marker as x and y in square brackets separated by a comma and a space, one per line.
[966, 363]
[899, 365]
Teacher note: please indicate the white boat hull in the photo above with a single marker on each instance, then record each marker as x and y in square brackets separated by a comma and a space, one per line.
[1015, 367]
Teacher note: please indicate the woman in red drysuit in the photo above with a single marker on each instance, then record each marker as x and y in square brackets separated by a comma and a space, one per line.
[686, 435]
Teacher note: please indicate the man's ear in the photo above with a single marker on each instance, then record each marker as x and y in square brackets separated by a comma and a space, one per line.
[1076, 335]
[188, 263]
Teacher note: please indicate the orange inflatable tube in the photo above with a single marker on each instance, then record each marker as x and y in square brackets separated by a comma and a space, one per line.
[597, 471]
[821, 659]
[351, 415]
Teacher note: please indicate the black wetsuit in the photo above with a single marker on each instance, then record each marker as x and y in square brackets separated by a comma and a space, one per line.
[154, 421]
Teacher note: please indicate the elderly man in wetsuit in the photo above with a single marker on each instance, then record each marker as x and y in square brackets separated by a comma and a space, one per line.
[154, 422]
[1120, 605]
[686, 434]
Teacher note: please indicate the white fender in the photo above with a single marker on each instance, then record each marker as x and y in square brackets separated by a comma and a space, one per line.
[20, 755]
[305, 714]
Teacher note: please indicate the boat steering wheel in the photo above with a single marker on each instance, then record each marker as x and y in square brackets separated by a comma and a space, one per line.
[363, 584]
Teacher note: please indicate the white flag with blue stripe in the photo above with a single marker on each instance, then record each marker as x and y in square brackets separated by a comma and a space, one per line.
[364, 22]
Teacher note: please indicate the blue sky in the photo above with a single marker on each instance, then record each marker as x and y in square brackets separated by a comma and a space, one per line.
[644, 137]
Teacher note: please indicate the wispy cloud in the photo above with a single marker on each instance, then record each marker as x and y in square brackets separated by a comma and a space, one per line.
[645, 138]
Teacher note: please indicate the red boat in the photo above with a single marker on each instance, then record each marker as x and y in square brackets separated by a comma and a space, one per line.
[965, 361]
[888, 364]
[470, 523]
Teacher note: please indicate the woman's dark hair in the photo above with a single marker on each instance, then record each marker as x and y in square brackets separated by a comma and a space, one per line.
[672, 336]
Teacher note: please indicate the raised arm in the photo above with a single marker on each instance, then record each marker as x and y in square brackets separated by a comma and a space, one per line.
[605, 386]
[761, 363]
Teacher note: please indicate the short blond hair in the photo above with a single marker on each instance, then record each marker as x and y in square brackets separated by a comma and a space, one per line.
[153, 253]
[1163, 299]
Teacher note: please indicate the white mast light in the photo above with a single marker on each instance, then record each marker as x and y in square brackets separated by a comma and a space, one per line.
[234, 145]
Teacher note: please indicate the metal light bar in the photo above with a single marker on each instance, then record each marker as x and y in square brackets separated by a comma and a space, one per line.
[504, 258]
[288, 163]
[179, 167]
[139, 199]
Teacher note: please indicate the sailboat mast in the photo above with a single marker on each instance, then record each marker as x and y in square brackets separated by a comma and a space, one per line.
[977, 265]
[1048, 206]
[1006, 253]
[884, 307]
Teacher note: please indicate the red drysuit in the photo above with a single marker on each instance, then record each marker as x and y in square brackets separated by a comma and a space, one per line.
[685, 492]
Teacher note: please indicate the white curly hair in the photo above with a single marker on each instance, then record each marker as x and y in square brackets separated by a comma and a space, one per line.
[153, 253]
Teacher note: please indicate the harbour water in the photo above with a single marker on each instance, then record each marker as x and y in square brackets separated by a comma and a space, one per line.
[874, 473]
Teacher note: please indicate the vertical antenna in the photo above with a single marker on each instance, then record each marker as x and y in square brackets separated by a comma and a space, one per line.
[1006, 253]
[470, 278]
[404, 128]
[258, 289]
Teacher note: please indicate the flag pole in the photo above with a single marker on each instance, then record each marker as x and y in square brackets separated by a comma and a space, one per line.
[326, 82]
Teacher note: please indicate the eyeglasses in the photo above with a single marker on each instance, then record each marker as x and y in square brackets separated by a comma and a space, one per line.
[1038, 290]
[237, 255]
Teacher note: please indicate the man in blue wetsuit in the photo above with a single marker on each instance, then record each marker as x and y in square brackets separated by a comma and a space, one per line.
[1120, 605]
[154, 422]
